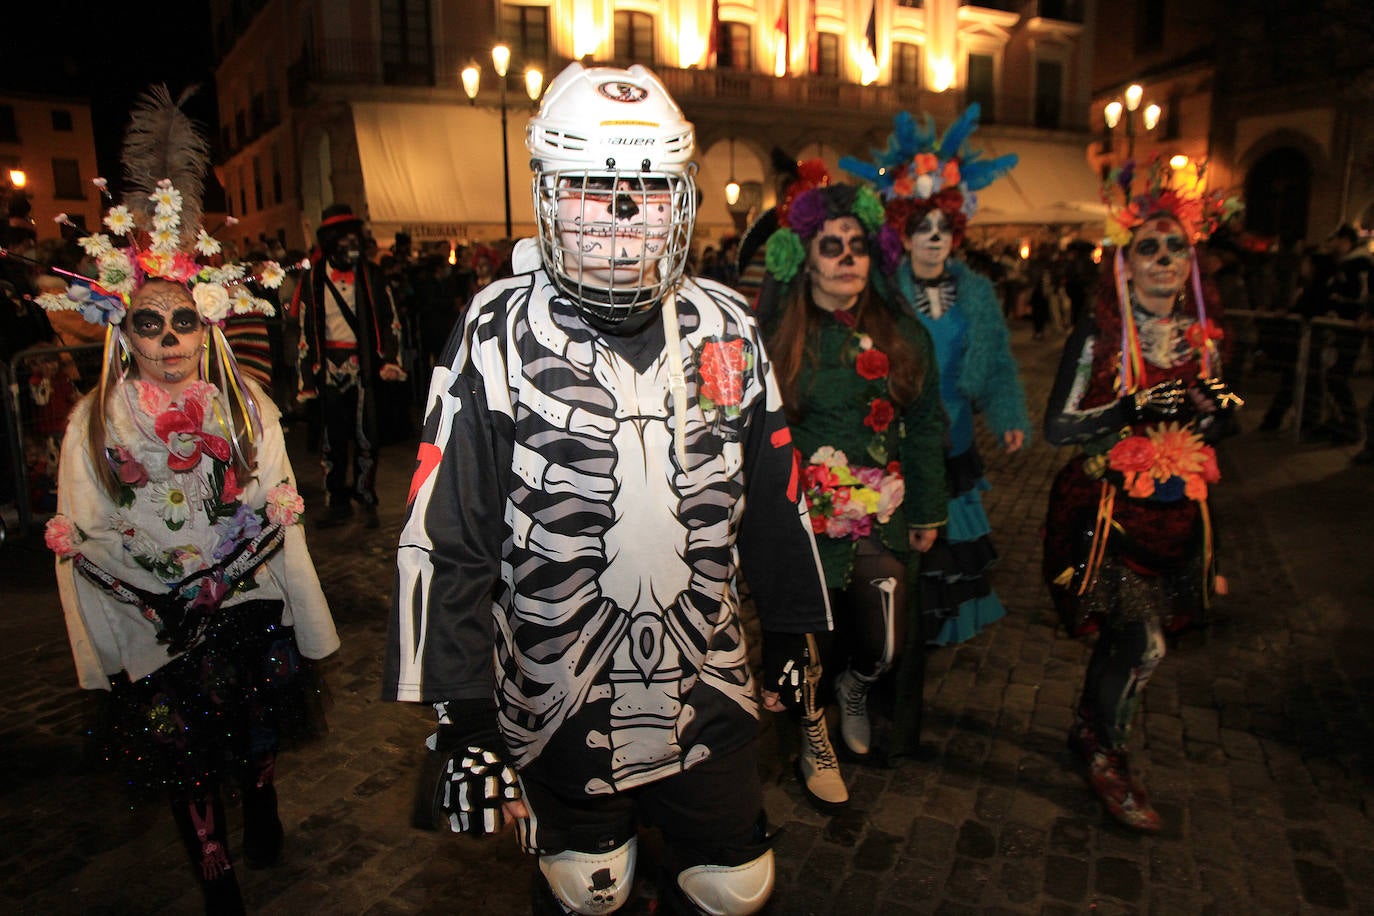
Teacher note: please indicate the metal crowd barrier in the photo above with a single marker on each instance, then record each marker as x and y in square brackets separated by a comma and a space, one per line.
[43, 384]
[1283, 334]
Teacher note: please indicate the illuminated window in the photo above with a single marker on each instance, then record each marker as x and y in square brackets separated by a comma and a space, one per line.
[828, 55]
[734, 46]
[906, 64]
[526, 30]
[634, 37]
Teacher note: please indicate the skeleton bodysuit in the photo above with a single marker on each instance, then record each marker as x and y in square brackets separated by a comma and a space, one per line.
[554, 537]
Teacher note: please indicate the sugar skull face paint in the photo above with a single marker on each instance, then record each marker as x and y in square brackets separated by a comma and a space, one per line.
[930, 243]
[166, 334]
[1159, 260]
[613, 231]
[838, 262]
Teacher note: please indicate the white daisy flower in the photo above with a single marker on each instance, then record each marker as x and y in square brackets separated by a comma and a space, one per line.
[120, 220]
[272, 275]
[172, 503]
[166, 196]
[206, 244]
[243, 301]
[95, 245]
[163, 241]
[167, 221]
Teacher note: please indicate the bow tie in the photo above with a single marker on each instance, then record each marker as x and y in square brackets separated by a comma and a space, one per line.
[934, 281]
[340, 276]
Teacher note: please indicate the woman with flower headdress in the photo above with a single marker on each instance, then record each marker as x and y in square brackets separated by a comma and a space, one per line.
[187, 587]
[928, 183]
[862, 399]
[1128, 536]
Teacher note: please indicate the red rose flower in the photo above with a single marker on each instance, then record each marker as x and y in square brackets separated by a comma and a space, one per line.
[1198, 334]
[871, 364]
[722, 366]
[880, 415]
[1134, 454]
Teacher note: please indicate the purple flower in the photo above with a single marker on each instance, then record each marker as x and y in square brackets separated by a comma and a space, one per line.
[242, 525]
[1125, 176]
[808, 213]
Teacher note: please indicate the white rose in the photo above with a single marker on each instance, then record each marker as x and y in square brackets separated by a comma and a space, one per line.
[212, 301]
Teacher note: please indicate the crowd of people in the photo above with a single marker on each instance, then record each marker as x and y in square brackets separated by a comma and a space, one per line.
[619, 459]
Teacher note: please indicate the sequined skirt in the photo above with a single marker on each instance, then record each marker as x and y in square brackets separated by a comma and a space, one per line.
[205, 717]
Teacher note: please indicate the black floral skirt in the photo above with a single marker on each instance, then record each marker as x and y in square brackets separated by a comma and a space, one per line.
[210, 715]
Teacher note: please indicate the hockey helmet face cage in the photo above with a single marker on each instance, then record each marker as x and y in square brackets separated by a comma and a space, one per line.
[614, 194]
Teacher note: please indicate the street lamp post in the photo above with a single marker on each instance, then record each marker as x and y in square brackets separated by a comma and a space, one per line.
[471, 77]
[1123, 111]
[500, 61]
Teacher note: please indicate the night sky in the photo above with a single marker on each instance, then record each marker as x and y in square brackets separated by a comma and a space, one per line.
[107, 54]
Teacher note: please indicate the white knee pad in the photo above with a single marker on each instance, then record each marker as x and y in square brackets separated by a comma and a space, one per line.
[729, 890]
[589, 883]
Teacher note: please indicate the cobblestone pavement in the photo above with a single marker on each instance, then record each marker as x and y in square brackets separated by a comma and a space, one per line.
[1256, 742]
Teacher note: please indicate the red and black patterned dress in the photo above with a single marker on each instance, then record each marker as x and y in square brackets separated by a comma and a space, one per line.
[1109, 548]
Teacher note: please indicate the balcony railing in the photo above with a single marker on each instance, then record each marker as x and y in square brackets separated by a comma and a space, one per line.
[359, 63]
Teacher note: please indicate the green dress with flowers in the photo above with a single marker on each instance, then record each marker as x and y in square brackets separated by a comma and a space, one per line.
[847, 408]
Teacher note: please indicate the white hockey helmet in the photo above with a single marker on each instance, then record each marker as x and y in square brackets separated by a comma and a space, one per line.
[614, 194]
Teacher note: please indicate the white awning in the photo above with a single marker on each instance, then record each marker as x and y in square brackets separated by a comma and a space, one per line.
[435, 170]
[1051, 184]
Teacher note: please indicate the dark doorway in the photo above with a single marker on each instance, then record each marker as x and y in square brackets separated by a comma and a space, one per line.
[1278, 189]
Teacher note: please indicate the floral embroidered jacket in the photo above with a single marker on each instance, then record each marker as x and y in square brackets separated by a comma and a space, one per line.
[560, 558]
[840, 412]
[180, 511]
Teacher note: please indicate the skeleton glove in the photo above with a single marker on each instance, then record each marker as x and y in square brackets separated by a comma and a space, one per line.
[1220, 394]
[1162, 402]
[785, 657]
[472, 778]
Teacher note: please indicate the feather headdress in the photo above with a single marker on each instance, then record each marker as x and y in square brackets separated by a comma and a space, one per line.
[1131, 195]
[165, 159]
[921, 169]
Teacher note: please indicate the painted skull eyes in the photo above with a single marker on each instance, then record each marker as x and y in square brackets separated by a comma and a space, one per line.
[148, 323]
[832, 246]
[1149, 247]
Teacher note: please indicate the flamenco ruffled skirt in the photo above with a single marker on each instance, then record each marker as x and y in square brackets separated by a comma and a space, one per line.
[957, 600]
[205, 718]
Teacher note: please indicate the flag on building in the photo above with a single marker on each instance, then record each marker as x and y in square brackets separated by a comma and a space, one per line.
[871, 33]
[814, 39]
[782, 41]
[713, 37]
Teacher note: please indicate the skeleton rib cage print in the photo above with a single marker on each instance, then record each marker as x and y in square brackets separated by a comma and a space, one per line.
[616, 622]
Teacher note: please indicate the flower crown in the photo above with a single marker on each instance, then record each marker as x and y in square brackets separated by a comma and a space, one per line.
[808, 211]
[165, 160]
[1199, 213]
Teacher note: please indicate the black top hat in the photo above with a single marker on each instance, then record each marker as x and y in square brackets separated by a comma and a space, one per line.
[337, 220]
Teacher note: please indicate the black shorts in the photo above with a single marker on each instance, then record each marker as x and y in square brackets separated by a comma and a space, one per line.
[711, 814]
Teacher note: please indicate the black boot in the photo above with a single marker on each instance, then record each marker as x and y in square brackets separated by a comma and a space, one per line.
[262, 830]
[201, 823]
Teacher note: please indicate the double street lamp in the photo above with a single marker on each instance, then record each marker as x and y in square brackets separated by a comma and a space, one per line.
[472, 80]
[1125, 109]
